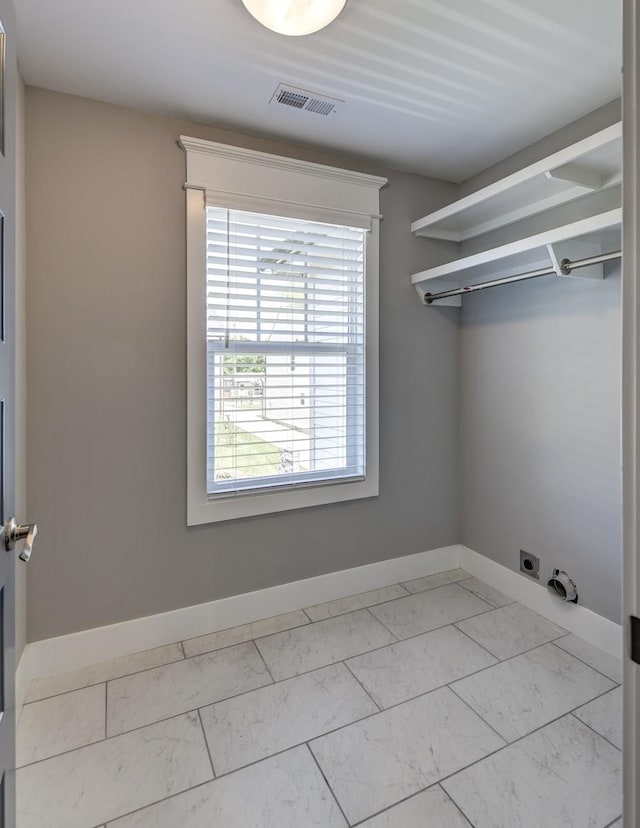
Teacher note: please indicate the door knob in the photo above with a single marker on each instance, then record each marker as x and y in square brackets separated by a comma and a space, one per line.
[14, 532]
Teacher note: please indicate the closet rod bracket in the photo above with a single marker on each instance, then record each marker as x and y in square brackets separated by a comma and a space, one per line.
[565, 267]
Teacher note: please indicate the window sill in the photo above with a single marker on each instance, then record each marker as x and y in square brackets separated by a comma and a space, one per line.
[244, 505]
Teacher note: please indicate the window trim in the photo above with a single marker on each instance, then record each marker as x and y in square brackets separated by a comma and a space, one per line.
[218, 173]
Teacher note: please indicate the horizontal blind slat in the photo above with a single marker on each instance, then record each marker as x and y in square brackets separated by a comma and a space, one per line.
[218, 243]
[262, 224]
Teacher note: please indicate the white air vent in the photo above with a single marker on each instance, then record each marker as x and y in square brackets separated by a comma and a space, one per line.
[304, 100]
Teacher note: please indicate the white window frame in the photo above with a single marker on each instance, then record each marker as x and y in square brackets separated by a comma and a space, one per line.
[226, 176]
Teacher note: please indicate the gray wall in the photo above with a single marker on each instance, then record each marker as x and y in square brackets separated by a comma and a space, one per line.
[106, 385]
[540, 418]
[537, 375]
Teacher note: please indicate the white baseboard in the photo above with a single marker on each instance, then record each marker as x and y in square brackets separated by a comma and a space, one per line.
[71, 652]
[594, 628]
[77, 650]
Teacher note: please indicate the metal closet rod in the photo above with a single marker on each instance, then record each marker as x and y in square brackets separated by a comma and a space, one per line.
[566, 266]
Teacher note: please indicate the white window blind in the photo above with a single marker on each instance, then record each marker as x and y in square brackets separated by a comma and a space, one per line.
[285, 352]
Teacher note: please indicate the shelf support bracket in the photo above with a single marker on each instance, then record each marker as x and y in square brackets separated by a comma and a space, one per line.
[574, 250]
[581, 177]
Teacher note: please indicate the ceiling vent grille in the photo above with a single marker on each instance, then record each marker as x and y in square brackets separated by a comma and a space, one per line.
[305, 101]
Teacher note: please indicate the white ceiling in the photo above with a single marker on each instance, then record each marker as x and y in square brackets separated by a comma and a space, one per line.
[443, 87]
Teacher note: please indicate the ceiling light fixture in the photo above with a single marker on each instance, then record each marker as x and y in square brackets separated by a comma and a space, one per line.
[295, 17]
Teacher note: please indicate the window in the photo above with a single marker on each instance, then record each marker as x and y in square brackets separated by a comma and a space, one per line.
[282, 327]
[285, 352]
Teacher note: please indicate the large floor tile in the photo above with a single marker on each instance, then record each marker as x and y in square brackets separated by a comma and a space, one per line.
[425, 611]
[246, 632]
[524, 693]
[61, 723]
[307, 648]
[604, 715]
[594, 657]
[355, 602]
[258, 724]
[507, 631]
[41, 688]
[286, 791]
[375, 763]
[434, 581]
[486, 592]
[410, 668]
[176, 688]
[103, 781]
[563, 776]
[429, 809]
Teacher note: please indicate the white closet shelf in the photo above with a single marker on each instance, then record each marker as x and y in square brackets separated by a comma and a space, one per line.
[589, 165]
[596, 231]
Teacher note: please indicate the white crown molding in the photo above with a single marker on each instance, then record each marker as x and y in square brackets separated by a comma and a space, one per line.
[265, 159]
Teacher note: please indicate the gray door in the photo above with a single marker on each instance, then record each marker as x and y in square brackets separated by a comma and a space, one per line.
[8, 82]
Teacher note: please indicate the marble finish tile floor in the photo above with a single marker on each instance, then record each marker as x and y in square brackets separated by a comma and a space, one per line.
[372, 764]
[425, 611]
[523, 693]
[436, 703]
[510, 630]
[604, 715]
[61, 723]
[526, 784]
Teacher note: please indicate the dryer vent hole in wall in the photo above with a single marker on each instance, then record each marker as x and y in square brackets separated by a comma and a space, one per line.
[530, 564]
[563, 587]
